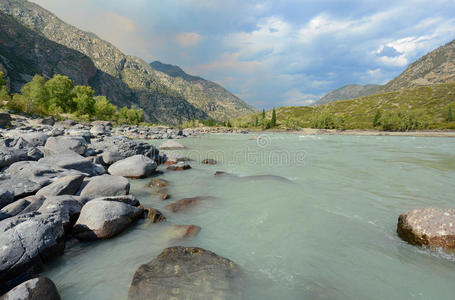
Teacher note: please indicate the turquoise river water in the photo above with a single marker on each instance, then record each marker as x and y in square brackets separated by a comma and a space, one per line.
[328, 233]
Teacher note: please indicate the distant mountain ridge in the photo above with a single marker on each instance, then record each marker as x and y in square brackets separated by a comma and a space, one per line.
[164, 98]
[436, 67]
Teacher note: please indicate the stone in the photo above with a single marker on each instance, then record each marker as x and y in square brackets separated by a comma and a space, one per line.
[137, 166]
[187, 273]
[17, 207]
[432, 227]
[28, 241]
[209, 161]
[5, 120]
[6, 195]
[97, 130]
[180, 166]
[125, 147]
[68, 123]
[185, 203]
[171, 145]
[106, 185]
[127, 199]
[60, 144]
[18, 187]
[66, 208]
[155, 182]
[34, 289]
[35, 138]
[74, 161]
[178, 232]
[9, 156]
[104, 219]
[109, 157]
[154, 215]
[68, 185]
[48, 121]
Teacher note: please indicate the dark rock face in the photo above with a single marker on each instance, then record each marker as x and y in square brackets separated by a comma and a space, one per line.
[27, 241]
[433, 227]
[137, 166]
[209, 161]
[106, 185]
[60, 144]
[34, 289]
[187, 273]
[67, 185]
[104, 219]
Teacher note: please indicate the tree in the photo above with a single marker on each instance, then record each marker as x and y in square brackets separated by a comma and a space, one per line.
[256, 121]
[104, 110]
[34, 96]
[83, 98]
[263, 114]
[2, 80]
[377, 118]
[449, 117]
[273, 120]
[60, 90]
[4, 92]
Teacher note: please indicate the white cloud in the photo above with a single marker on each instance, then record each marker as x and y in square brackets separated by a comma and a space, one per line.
[295, 97]
[188, 39]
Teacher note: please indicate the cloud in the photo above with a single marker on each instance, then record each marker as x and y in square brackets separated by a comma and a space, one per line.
[297, 98]
[188, 39]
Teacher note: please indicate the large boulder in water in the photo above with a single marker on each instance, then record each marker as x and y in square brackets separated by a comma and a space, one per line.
[34, 289]
[27, 241]
[137, 166]
[59, 144]
[106, 185]
[104, 219]
[187, 273]
[433, 227]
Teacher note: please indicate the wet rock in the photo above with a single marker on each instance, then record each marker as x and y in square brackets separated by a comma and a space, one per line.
[187, 273]
[180, 166]
[106, 185]
[104, 219]
[127, 199]
[433, 227]
[60, 144]
[9, 156]
[68, 185]
[185, 203]
[220, 173]
[5, 120]
[28, 240]
[178, 232]
[171, 145]
[35, 138]
[154, 215]
[74, 161]
[155, 182]
[209, 161]
[34, 289]
[137, 166]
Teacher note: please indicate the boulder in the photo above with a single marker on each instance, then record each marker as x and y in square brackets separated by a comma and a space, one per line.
[109, 157]
[6, 194]
[127, 199]
[104, 219]
[17, 207]
[73, 161]
[155, 182]
[18, 187]
[68, 185]
[180, 166]
[185, 203]
[125, 147]
[34, 289]
[5, 120]
[67, 123]
[9, 156]
[171, 145]
[35, 138]
[48, 121]
[97, 130]
[178, 232]
[106, 185]
[154, 215]
[60, 144]
[66, 208]
[209, 161]
[432, 227]
[137, 166]
[187, 273]
[28, 240]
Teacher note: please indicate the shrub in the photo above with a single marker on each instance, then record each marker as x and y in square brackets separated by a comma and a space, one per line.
[60, 90]
[103, 109]
[83, 99]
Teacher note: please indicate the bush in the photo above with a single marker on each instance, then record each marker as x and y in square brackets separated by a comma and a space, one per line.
[132, 115]
[60, 90]
[83, 98]
[403, 121]
[104, 110]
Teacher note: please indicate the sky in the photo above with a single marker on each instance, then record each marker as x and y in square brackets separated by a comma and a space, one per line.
[271, 53]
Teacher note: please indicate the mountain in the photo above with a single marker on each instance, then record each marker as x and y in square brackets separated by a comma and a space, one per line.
[124, 79]
[349, 91]
[203, 94]
[438, 66]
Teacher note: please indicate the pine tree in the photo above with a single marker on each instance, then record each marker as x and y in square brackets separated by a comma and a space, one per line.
[273, 120]
[449, 117]
[377, 119]
[263, 114]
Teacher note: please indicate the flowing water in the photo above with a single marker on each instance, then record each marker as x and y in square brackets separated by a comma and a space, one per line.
[326, 230]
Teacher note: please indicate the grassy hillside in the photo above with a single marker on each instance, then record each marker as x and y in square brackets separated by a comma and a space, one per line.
[425, 107]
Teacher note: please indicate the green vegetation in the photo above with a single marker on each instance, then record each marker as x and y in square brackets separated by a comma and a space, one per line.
[4, 92]
[428, 107]
[58, 96]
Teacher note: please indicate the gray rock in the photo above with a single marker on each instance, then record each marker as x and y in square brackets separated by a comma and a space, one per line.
[34, 289]
[66, 208]
[171, 145]
[74, 161]
[28, 240]
[127, 199]
[187, 273]
[179, 166]
[5, 120]
[36, 138]
[68, 185]
[18, 187]
[97, 130]
[9, 156]
[17, 207]
[67, 123]
[109, 157]
[57, 131]
[60, 144]
[48, 121]
[137, 166]
[125, 147]
[433, 227]
[6, 195]
[104, 219]
[106, 185]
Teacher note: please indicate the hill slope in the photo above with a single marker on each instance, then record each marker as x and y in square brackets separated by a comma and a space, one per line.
[349, 91]
[159, 94]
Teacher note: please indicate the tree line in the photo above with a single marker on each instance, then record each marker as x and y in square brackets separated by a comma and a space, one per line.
[59, 96]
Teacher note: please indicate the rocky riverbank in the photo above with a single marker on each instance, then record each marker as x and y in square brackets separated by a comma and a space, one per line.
[63, 181]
